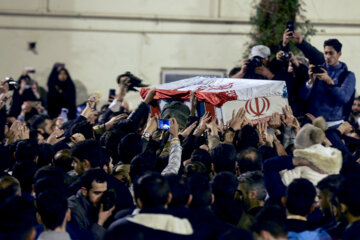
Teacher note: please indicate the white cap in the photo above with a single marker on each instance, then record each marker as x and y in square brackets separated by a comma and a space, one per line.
[261, 51]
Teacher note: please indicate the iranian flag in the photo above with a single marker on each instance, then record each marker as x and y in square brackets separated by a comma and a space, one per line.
[220, 96]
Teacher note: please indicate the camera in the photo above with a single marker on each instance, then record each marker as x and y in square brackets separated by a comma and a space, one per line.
[12, 83]
[291, 27]
[254, 63]
[286, 57]
[108, 199]
[318, 69]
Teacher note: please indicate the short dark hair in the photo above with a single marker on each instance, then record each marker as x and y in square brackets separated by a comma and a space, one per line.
[224, 156]
[46, 155]
[203, 156]
[200, 190]
[179, 189]
[90, 150]
[195, 168]
[9, 186]
[27, 150]
[246, 137]
[63, 160]
[349, 194]
[83, 127]
[333, 42]
[129, 147]
[152, 189]
[331, 182]
[254, 180]
[224, 184]
[110, 140]
[17, 218]
[93, 175]
[24, 171]
[300, 196]
[271, 219]
[249, 159]
[141, 164]
[52, 206]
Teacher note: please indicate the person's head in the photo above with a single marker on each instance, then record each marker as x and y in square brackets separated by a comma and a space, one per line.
[261, 51]
[17, 219]
[180, 191]
[63, 74]
[24, 171]
[49, 177]
[46, 154]
[195, 167]
[27, 150]
[311, 134]
[332, 51]
[223, 156]
[349, 197]
[52, 209]
[326, 189]
[300, 197]
[355, 108]
[252, 187]
[270, 223]
[152, 190]
[202, 156]
[141, 164]
[9, 186]
[129, 147]
[42, 124]
[63, 160]
[83, 127]
[248, 160]
[94, 184]
[86, 154]
[224, 185]
[247, 137]
[200, 189]
[110, 140]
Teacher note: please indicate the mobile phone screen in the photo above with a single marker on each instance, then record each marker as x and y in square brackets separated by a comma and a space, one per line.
[111, 92]
[164, 124]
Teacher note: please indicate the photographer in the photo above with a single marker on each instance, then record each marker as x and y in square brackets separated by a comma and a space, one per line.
[295, 72]
[257, 66]
[331, 88]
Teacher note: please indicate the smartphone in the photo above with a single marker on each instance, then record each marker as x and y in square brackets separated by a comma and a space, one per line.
[291, 27]
[112, 93]
[164, 124]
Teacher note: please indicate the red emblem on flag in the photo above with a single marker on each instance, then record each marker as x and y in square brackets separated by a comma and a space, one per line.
[257, 106]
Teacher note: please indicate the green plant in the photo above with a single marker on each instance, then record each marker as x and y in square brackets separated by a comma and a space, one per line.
[269, 23]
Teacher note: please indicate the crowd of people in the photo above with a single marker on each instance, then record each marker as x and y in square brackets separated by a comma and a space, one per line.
[71, 172]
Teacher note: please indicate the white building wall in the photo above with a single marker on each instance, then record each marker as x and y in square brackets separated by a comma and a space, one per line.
[98, 40]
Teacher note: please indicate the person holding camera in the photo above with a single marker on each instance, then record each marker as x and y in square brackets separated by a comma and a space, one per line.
[294, 71]
[330, 90]
[87, 211]
[257, 66]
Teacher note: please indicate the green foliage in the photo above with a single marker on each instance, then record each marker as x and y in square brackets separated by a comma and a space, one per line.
[270, 20]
